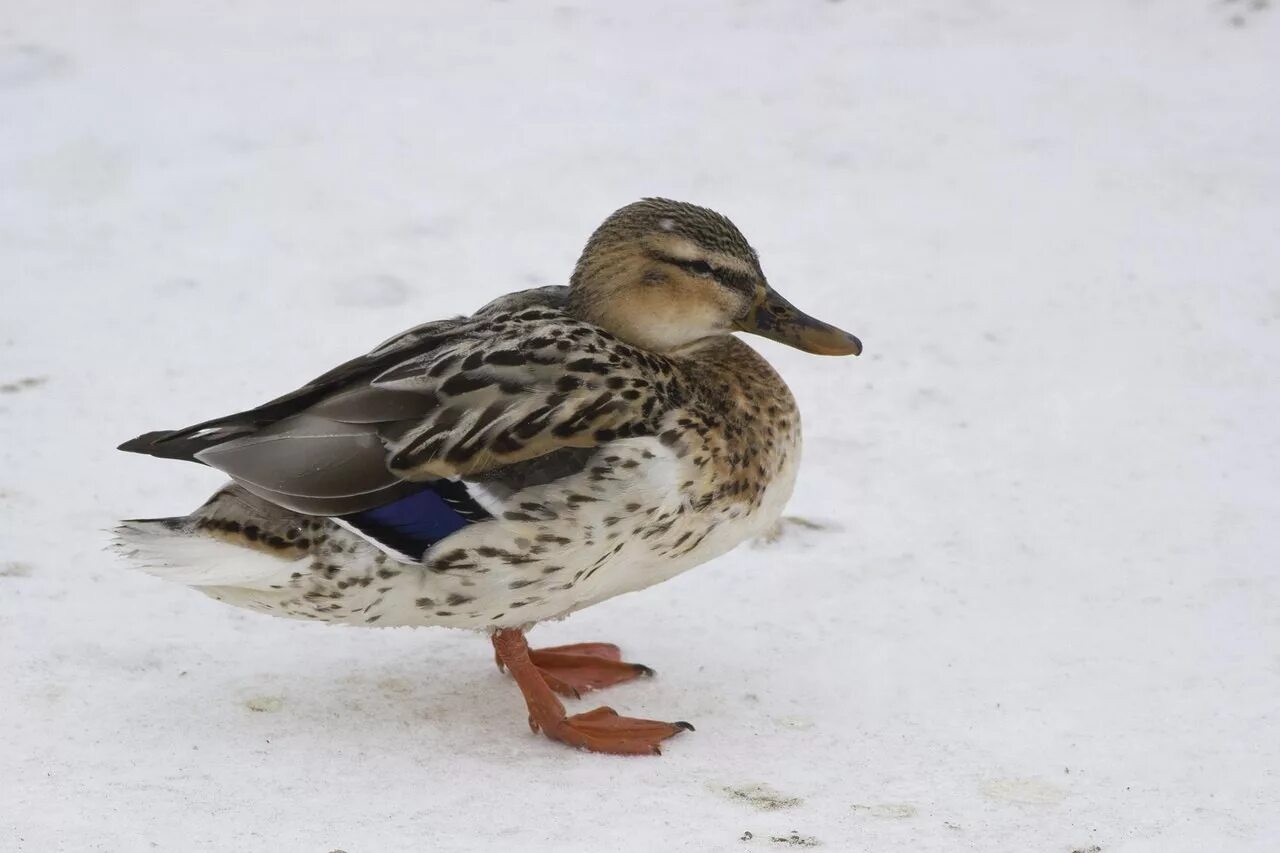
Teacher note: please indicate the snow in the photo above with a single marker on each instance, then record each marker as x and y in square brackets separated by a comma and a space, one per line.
[1031, 599]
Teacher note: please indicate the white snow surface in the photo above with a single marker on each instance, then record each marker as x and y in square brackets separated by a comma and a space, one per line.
[1035, 605]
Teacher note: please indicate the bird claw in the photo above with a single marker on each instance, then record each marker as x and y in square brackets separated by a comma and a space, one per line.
[604, 730]
[576, 669]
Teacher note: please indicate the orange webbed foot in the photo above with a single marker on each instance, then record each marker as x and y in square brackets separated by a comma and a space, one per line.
[603, 730]
[578, 668]
[568, 670]
[581, 667]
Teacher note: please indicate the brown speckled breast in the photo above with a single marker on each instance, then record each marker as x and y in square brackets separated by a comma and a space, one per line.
[738, 422]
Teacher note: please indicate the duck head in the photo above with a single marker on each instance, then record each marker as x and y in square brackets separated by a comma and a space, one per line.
[663, 275]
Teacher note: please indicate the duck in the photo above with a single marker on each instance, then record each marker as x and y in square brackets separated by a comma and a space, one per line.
[561, 446]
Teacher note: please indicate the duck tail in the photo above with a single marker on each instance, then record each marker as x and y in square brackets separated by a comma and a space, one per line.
[182, 444]
[174, 549]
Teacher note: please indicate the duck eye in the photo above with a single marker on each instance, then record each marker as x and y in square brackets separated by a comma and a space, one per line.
[699, 267]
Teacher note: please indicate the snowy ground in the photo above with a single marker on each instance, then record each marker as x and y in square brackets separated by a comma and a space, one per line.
[1040, 610]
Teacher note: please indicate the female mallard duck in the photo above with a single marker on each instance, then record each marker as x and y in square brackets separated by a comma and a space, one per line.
[561, 446]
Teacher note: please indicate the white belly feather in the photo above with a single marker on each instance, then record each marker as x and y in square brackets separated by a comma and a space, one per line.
[549, 551]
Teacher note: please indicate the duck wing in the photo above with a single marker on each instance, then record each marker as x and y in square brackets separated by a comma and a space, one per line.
[515, 393]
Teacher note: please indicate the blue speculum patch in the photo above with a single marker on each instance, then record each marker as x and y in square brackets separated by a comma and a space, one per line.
[412, 524]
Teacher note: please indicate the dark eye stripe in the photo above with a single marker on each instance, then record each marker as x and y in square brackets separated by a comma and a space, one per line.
[691, 266]
[731, 279]
[735, 280]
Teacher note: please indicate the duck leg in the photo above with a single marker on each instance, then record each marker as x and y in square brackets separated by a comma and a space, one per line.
[600, 730]
[580, 667]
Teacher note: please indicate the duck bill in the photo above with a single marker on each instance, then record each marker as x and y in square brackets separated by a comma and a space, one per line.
[777, 319]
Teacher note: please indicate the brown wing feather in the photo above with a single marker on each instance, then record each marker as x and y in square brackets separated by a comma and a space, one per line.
[518, 380]
[540, 382]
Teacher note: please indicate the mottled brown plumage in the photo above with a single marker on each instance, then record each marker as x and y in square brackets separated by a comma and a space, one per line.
[557, 448]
